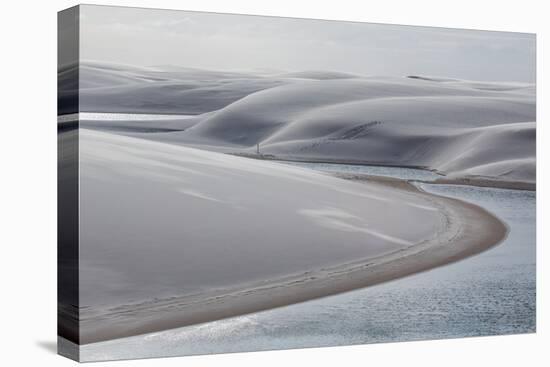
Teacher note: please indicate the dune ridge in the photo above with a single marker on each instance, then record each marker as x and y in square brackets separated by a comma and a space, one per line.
[466, 130]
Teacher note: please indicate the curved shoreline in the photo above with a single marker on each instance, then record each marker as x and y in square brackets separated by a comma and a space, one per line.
[467, 230]
[444, 179]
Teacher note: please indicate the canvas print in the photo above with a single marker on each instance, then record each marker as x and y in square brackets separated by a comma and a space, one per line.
[232, 183]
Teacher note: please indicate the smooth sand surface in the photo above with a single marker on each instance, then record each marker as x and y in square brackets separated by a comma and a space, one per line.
[461, 128]
[168, 235]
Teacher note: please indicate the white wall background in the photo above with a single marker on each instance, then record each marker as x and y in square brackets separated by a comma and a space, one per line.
[28, 181]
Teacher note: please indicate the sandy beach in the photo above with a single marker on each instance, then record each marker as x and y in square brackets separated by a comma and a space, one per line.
[452, 230]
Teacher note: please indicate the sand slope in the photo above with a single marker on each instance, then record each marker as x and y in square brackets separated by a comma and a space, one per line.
[215, 211]
[172, 236]
[465, 129]
[457, 130]
[128, 89]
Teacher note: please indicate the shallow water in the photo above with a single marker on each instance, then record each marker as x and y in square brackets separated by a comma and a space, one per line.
[388, 171]
[490, 293]
[107, 116]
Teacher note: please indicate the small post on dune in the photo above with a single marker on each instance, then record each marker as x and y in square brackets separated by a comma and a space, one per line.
[258, 148]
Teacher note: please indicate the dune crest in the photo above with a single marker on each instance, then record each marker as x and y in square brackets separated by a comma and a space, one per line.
[460, 128]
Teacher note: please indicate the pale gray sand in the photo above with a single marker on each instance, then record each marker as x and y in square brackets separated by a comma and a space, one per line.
[483, 131]
[155, 214]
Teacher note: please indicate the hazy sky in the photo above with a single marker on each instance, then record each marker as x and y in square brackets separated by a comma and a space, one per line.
[238, 42]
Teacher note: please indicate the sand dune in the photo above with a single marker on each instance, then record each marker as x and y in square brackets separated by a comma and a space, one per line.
[336, 234]
[326, 220]
[323, 107]
[463, 129]
[126, 89]
[458, 130]
[318, 75]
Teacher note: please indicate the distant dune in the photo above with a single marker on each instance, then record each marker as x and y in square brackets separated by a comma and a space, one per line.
[463, 129]
[119, 88]
[318, 74]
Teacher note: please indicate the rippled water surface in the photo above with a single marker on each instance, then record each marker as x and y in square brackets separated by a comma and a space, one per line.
[490, 293]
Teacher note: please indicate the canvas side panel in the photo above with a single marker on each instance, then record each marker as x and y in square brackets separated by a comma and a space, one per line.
[67, 184]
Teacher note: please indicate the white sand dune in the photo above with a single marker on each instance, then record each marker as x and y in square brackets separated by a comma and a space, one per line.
[461, 128]
[120, 88]
[318, 75]
[326, 220]
[456, 129]
[172, 235]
